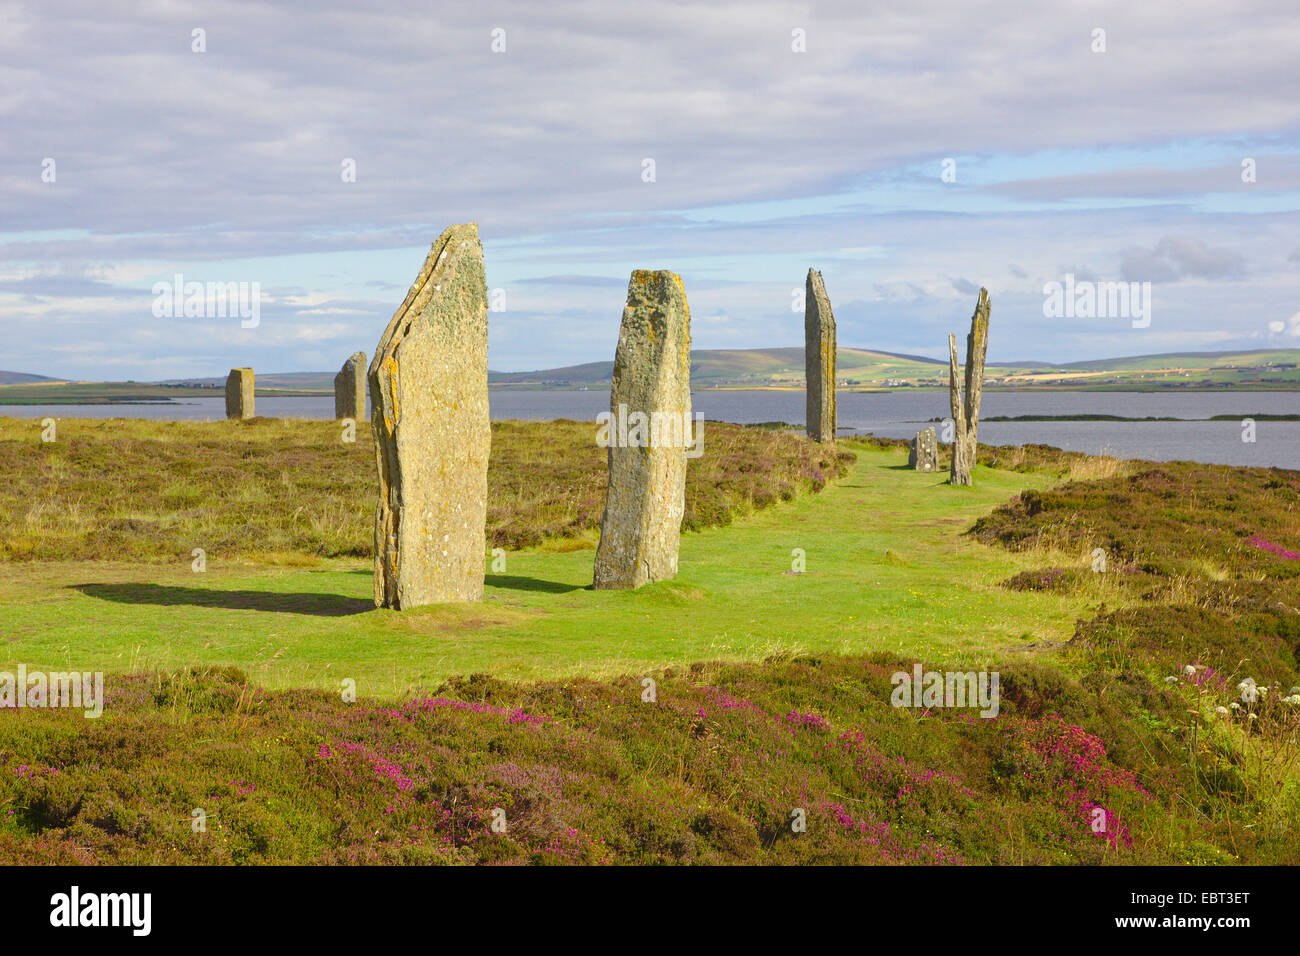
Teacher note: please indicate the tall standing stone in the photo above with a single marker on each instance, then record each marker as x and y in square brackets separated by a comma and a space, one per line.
[650, 400]
[819, 358]
[350, 388]
[924, 454]
[965, 403]
[239, 393]
[429, 414]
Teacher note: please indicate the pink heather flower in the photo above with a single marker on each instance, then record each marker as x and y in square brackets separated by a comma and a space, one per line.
[1082, 775]
[796, 719]
[1259, 542]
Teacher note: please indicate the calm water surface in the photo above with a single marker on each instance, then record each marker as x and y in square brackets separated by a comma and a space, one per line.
[897, 414]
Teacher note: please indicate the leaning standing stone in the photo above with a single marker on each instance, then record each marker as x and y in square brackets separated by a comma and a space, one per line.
[924, 455]
[965, 402]
[429, 414]
[350, 388]
[239, 393]
[650, 407]
[819, 359]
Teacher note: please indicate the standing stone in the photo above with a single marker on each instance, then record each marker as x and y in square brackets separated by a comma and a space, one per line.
[650, 407]
[239, 393]
[819, 358]
[924, 455]
[350, 388]
[966, 404]
[429, 415]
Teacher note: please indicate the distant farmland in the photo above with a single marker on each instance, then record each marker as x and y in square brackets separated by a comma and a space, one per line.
[750, 368]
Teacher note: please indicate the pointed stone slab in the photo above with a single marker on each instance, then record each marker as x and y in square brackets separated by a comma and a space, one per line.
[924, 454]
[429, 415]
[965, 401]
[645, 499]
[239, 393]
[350, 388]
[819, 359]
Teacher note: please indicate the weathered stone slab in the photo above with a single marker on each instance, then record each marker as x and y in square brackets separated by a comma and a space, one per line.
[924, 455]
[429, 415]
[819, 359]
[239, 393]
[965, 403]
[645, 499]
[350, 388]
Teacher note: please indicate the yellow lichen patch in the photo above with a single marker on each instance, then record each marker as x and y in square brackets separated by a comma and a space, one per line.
[390, 366]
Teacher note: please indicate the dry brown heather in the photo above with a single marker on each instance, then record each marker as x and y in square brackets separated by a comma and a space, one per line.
[130, 489]
[1203, 555]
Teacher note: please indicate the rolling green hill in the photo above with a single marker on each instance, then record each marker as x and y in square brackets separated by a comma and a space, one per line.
[866, 368]
[1266, 368]
[754, 368]
[298, 382]
[21, 378]
[739, 368]
[124, 393]
[1262, 357]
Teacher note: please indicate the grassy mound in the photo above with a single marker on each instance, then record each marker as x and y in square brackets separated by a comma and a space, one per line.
[1203, 553]
[1204, 558]
[1207, 521]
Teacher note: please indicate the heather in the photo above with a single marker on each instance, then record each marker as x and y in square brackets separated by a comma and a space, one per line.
[1197, 554]
[1199, 592]
[590, 772]
[133, 489]
[1124, 734]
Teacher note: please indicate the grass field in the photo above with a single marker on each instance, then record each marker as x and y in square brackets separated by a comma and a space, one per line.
[887, 568]
[773, 687]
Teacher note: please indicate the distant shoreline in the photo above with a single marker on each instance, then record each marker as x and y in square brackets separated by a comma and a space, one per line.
[118, 393]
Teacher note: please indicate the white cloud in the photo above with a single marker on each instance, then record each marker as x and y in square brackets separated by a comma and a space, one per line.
[231, 159]
[1176, 257]
[1288, 329]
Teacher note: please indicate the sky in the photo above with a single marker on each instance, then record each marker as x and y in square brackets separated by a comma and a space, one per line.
[910, 152]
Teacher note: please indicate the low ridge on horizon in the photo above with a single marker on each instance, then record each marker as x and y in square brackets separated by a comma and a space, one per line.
[749, 364]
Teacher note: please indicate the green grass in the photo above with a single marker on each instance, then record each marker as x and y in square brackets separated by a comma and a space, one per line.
[887, 569]
[772, 688]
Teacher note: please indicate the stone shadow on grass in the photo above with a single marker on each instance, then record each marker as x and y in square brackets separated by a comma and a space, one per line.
[516, 582]
[167, 595]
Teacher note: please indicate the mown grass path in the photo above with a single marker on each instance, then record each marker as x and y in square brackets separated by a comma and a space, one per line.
[887, 568]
